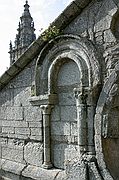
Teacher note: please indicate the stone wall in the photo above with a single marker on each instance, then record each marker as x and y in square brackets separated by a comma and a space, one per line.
[59, 116]
[21, 124]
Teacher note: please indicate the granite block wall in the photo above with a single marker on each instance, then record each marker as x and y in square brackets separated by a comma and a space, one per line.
[22, 129]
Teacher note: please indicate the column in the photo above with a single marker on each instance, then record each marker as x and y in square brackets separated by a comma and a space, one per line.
[91, 106]
[46, 113]
[81, 97]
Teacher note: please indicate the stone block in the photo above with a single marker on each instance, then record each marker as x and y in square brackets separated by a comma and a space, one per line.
[55, 115]
[35, 124]
[15, 144]
[14, 113]
[68, 113]
[38, 173]
[67, 99]
[37, 138]
[60, 128]
[22, 131]
[21, 96]
[12, 154]
[32, 113]
[20, 124]
[18, 136]
[8, 130]
[13, 167]
[33, 153]
[36, 131]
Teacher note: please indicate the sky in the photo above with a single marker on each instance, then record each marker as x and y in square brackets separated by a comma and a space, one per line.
[42, 11]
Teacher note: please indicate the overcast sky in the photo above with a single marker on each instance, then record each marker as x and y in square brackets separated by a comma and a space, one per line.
[42, 11]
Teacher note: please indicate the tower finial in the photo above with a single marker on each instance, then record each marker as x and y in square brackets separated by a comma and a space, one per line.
[25, 35]
[26, 5]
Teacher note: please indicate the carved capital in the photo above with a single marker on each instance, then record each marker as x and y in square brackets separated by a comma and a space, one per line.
[81, 95]
[46, 109]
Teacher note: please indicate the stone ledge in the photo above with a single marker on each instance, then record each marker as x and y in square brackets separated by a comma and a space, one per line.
[38, 173]
[12, 167]
[44, 99]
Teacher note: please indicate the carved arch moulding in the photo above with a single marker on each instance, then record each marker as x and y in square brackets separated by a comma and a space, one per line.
[107, 127]
[60, 51]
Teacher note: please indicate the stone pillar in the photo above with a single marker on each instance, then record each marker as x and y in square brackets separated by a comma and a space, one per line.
[46, 113]
[91, 105]
[81, 96]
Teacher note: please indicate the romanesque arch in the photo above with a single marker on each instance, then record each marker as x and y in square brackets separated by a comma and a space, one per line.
[70, 51]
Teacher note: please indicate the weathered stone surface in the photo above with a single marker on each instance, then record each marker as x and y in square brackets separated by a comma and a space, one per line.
[68, 70]
[12, 154]
[21, 96]
[35, 124]
[38, 173]
[22, 131]
[67, 99]
[68, 113]
[20, 124]
[74, 129]
[93, 172]
[60, 128]
[55, 116]
[32, 114]
[13, 167]
[76, 170]
[36, 131]
[9, 130]
[14, 113]
[62, 153]
[71, 127]
[33, 153]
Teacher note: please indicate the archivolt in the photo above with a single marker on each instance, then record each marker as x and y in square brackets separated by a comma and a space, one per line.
[59, 51]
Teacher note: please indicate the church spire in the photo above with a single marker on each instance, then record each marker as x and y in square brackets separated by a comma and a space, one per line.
[25, 35]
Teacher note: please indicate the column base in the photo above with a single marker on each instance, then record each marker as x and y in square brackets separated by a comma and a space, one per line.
[47, 165]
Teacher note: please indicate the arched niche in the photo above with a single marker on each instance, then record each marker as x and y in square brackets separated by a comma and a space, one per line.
[64, 130]
[107, 127]
[73, 47]
[67, 67]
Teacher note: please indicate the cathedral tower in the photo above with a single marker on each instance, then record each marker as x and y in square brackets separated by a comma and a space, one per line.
[25, 35]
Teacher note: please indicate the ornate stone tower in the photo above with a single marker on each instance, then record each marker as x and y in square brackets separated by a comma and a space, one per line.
[25, 35]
